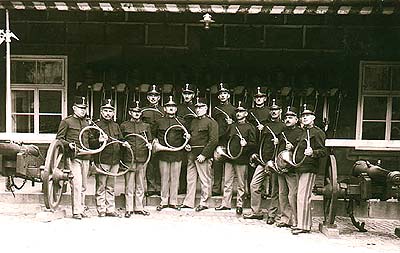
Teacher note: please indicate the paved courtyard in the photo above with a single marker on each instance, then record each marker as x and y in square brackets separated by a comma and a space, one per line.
[184, 231]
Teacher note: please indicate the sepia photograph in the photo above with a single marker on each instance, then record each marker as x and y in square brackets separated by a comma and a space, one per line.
[185, 125]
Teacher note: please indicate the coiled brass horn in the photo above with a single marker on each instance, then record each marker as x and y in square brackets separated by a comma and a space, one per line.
[103, 137]
[157, 146]
[226, 152]
[308, 145]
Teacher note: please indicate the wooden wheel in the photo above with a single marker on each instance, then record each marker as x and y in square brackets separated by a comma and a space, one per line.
[53, 176]
[331, 187]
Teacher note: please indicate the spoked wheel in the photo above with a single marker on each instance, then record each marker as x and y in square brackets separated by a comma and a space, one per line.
[53, 176]
[331, 187]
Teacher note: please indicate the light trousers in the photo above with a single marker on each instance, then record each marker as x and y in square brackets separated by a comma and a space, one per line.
[105, 196]
[135, 187]
[230, 171]
[203, 170]
[170, 172]
[79, 170]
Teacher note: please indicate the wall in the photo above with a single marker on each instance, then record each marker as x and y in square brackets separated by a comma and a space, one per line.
[320, 51]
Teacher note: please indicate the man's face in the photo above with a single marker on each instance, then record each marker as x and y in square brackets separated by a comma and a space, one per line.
[290, 120]
[135, 114]
[224, 96]
[241, 115]
[170, 110]
[260, 100]
[201, 110]
[80, 112]
[307, 119]
[187, 97]
[275, 113]
[153, 99]
[107, 113]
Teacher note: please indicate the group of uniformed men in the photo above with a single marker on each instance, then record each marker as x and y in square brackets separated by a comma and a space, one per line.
[260, 130]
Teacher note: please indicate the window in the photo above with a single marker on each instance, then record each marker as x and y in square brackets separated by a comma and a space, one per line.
[378, 116]
[38, 93]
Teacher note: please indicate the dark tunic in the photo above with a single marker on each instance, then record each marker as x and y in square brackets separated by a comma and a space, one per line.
[204, 136]
[111, 153]
[138, 145]
[248, 132]
[174, 138]
[293, 136]
[317, 142]
[269, 147]
[68, 132]
[261, 113]
[151, 116]
[220, 117]
[185, 111]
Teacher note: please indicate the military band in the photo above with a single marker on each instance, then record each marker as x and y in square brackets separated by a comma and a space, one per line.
[162, 139]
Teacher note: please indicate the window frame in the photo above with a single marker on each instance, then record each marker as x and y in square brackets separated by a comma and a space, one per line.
[37, 87]
[367, 144]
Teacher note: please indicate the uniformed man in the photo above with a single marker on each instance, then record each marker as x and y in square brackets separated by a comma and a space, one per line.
[110, 158]
[271, 130]
[170, 161]
[68, 133]
[246, 133]
[224, 114]
[313, 149]
[258, 116]
[151, 114]
[288, 181]
[186, 110]
[135, 179]
[203, 141]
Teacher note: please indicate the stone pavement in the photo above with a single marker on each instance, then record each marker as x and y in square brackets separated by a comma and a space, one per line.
[181, 231]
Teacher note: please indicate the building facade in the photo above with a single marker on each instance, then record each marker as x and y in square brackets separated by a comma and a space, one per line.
[340, 56]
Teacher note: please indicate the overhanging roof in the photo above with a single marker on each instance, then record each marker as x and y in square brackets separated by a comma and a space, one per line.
[295, 7]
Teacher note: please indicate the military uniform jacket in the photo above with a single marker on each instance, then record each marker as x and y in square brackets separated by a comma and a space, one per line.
[184, 112]
[248, 132]
[111, 153]
[204, 136]
[221, 120]
[150, 117]
[68, 132]
[138, 145]
[269, 147]
[317, 142]
[174, 138]
[262, 114]
[293, 135]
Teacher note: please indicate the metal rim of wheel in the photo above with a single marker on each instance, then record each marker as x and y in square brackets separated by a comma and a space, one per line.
[330, 183]
[52, 187]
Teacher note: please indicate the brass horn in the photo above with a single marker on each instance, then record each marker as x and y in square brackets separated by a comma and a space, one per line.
[157, 146]
[222, 151]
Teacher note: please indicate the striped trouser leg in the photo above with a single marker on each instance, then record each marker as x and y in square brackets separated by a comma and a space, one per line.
[306, 183]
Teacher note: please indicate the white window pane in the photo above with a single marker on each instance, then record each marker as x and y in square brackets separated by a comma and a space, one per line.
[23, 123]
[22, 101]
[49, 124]
[375, 108]
[50, 101]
